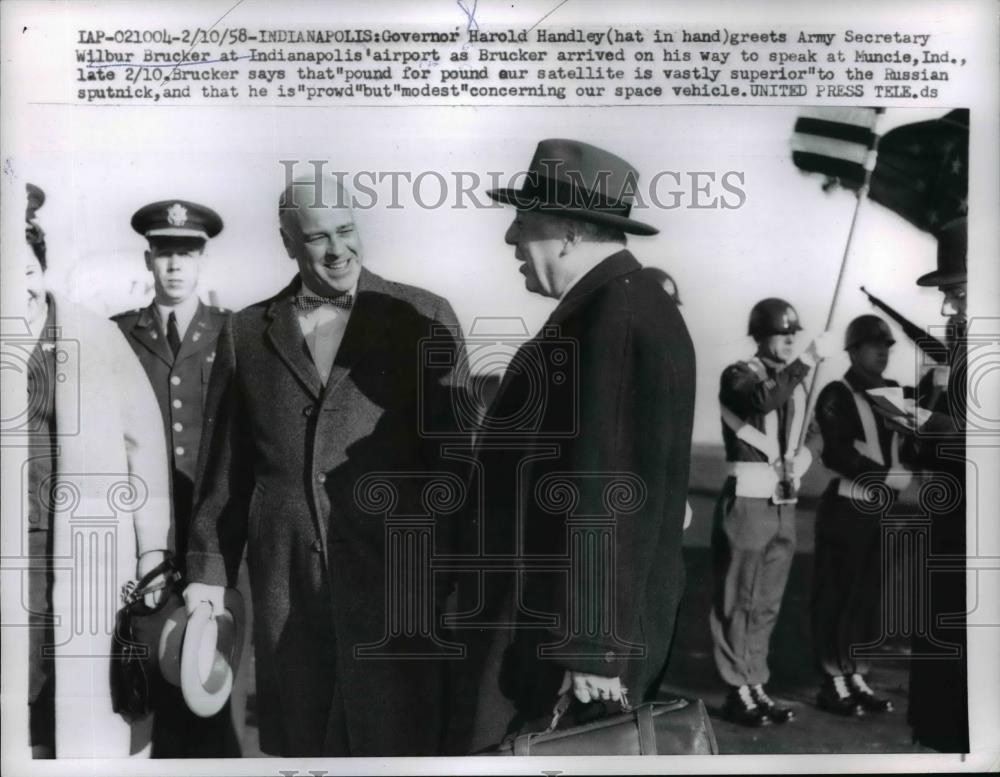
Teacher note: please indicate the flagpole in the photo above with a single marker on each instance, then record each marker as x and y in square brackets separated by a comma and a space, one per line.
[861, 194]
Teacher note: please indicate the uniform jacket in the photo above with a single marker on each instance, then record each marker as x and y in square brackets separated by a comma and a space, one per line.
[752, 389]
[283, 470]
[592, 422]
[840, 425]
[180, 385]
[111, 488]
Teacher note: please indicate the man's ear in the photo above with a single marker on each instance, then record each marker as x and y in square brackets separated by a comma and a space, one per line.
[571, 237]
[287, 242]
[149, 259]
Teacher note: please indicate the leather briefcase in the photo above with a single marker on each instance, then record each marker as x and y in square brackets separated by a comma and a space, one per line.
[675, 727]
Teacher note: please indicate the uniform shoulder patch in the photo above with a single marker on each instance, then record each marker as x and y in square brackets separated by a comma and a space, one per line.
[125, 314]
[220, 311]
[750, 367]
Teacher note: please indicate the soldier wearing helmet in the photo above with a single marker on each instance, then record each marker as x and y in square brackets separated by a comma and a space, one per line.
[862, 452]
[763, 407]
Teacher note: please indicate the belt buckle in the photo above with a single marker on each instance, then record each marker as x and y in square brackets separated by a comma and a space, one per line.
[785, 493]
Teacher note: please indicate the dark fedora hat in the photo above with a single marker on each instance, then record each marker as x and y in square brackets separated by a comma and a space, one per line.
[952, 260]
[579, 181]
[203, 666]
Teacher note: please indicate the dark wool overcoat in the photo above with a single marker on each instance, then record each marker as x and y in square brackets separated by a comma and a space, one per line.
[317, 482]
[582, 466]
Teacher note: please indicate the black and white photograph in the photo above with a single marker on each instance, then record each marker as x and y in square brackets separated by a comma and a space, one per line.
[404, 387]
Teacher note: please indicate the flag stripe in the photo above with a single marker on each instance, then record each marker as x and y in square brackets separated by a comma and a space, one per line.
[847, 172]
[851, 133]
[814, 144]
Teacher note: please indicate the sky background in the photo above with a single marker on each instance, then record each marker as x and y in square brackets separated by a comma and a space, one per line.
[786, 240]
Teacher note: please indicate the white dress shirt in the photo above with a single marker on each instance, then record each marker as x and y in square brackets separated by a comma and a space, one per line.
[185, 312]
[323, 329]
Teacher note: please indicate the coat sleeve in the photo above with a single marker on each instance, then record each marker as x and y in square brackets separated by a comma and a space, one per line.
[145, 446]
[748, 393]
[224, 483]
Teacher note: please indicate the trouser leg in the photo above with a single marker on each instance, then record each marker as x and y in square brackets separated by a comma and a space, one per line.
[745, 563]
[847, 592]
[776, 563]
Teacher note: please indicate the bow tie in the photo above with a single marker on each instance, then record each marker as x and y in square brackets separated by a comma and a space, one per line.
[308, 302]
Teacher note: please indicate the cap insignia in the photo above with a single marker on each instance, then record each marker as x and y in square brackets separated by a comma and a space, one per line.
[177, 215]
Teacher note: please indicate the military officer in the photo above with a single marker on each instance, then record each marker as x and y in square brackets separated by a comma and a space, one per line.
[859, 448]
[753, 540]
[174, 337]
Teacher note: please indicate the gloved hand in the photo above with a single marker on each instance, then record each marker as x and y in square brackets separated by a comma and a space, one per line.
[146, 563]
[196, 593]
[798, 465]
[592, 687]
[822, 347]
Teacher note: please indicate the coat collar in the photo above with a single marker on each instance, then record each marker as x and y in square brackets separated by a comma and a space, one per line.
[369, 319]
[617, 264]
[148, 332]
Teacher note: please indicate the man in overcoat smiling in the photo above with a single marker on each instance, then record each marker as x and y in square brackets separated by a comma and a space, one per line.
[315, 392]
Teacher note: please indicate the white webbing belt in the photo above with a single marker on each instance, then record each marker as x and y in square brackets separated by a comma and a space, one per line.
[758, 479]
[897, 478]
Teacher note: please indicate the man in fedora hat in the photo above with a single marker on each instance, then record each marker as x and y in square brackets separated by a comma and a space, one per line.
[938, 708]
[314, 392]
[597, 407]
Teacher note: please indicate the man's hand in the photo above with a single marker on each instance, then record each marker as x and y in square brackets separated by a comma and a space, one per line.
[145, 564]
[798, 465]
[592, 687]
[822, 347]
[940, 376]
[196, 593]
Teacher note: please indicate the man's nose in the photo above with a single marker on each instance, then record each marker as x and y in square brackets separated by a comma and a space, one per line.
[336, 247]
[510, 238]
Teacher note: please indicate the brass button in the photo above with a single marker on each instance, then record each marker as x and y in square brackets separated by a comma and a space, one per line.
[307, 411]
[175, 380]
[179, 450]
[178, 427]
[609, 657]
[321, 477]
[177, 403]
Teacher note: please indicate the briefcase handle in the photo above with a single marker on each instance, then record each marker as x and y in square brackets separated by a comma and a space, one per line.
[563, 703]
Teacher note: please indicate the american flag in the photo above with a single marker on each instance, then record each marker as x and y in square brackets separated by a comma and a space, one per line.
[835, 142]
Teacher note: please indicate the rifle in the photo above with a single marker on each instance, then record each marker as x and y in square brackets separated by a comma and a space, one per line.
[927, 343]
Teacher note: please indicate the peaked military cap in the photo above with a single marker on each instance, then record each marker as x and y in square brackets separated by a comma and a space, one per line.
[176, 218]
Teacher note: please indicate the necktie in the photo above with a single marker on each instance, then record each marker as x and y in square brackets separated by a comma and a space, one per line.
[308, 302]
[173, 335]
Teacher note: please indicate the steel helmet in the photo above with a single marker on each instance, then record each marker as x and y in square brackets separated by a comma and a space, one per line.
[773, 316]
[867, 329]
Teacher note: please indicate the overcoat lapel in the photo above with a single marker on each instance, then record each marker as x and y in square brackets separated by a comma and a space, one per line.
[370, 317]
[285, 335]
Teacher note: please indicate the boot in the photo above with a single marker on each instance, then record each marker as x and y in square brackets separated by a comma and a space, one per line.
[741, 708]
[779, 713]
[835, 696]
[866, 697]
